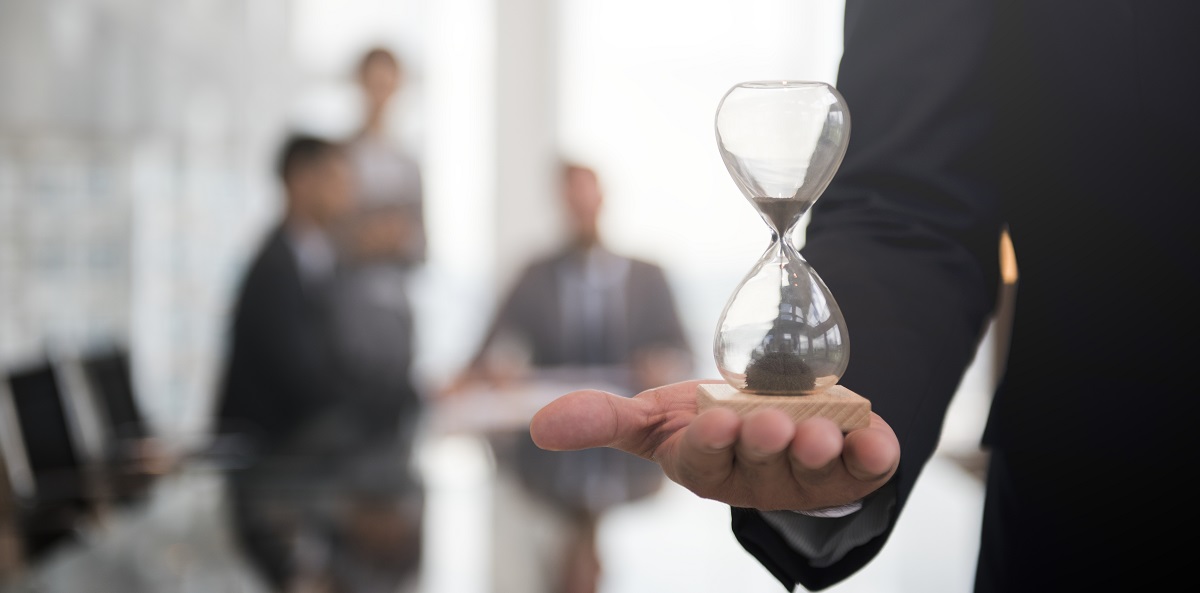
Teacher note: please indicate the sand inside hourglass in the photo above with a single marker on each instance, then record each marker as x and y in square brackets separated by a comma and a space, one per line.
[780, 373]
[781, 212]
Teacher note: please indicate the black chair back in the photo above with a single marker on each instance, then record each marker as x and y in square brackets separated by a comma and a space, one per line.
[51, 449]
[109, 374]
[62, 494]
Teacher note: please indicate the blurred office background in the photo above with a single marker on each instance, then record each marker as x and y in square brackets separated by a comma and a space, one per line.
[137, 140]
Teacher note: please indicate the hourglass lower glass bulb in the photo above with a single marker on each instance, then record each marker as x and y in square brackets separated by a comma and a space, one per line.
[781, 340]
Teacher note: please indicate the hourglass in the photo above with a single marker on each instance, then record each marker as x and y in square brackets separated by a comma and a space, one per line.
[781, 340]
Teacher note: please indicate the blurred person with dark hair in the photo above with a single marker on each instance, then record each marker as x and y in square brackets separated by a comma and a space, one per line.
[280, 373]
[580, 314]
[318, 430]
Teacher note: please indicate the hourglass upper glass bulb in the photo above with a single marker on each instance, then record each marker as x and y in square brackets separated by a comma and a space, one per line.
[782, 142]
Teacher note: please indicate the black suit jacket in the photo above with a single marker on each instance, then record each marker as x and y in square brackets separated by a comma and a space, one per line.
[282, 372]
[1075, 124]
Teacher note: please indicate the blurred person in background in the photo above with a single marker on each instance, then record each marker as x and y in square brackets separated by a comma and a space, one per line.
[383, 244]
[383, 235]
[581, 314]
[391, 205]
[326, 441]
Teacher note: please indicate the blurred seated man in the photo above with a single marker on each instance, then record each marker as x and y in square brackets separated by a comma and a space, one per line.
[323, 438]
[583, 314]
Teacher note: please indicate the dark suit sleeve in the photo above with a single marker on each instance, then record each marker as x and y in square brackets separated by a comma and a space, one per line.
[907, 235]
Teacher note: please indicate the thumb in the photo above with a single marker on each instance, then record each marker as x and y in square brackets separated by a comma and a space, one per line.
[585, 419]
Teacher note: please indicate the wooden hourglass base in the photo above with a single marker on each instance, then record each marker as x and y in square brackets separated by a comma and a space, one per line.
[848, 409]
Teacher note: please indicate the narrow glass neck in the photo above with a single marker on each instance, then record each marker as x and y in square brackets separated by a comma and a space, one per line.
[781, 252]
[780, 214]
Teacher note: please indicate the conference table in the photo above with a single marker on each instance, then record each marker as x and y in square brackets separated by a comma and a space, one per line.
[179, 539]
[491, 409]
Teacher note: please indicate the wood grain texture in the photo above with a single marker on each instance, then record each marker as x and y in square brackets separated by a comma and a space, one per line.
[848, 409]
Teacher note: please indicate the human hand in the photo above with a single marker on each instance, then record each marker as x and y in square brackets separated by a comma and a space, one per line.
[764, 461]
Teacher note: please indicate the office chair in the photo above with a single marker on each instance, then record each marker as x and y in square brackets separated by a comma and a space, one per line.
[126, 433]
[109, 375]
[63, 489]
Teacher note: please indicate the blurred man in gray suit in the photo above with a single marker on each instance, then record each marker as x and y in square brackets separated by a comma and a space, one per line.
[587, 315]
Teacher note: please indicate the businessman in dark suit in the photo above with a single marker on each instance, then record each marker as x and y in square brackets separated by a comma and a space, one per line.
[312, 424]
[279, 377]
[1074, 125]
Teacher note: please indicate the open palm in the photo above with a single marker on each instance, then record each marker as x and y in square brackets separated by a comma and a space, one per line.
[763, 460]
